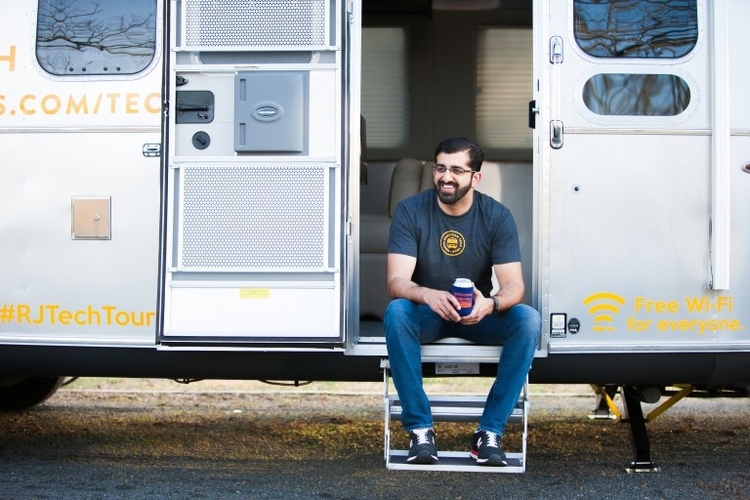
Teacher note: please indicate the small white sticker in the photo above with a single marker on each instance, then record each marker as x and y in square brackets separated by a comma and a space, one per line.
[456, 368]
[558, 321]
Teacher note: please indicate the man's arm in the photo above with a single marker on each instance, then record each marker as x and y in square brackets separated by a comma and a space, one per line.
[510, 280]
[399, 285]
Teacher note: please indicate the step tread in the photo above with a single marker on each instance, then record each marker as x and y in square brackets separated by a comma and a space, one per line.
[455, 461]
[458, 408]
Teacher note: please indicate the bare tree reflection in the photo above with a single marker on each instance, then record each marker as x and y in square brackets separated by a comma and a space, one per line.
[636, 94]
[650, 29]
[636, 28]
[87, 37]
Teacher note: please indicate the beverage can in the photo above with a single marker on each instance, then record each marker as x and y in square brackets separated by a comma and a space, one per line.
[463, 290]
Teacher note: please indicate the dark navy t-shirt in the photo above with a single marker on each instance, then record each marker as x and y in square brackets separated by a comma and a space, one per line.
[449, 247]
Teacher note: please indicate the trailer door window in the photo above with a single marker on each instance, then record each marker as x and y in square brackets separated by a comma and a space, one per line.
[654, 29]
[636, 94]
[91, 37]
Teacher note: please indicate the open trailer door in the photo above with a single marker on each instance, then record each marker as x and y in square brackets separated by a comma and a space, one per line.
[635, 220]
[253, 168]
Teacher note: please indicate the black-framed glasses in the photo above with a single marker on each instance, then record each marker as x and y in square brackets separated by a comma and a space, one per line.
[441, 169]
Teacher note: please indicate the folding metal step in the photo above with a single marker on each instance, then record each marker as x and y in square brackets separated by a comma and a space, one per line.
[447, 408]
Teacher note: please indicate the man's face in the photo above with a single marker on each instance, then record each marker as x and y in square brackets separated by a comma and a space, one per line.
[455, 182]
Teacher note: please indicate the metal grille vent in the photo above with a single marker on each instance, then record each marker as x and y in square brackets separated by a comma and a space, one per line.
[249, 23]
[254, 217]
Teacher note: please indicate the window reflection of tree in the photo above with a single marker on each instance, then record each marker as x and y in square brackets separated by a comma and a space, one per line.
[80, 37]
[636, 94]
[638, 29]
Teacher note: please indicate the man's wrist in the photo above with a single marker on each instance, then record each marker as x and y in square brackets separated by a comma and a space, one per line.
[495, 304]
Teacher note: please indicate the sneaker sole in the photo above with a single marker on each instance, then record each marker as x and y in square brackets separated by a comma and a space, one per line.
[424, 457]
[493, 461]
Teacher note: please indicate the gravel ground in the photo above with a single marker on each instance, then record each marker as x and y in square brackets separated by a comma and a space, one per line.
[101, 439]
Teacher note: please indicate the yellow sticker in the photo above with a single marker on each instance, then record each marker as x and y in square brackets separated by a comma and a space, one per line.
[255, 293]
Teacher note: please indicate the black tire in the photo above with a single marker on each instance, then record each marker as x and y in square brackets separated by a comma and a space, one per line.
[18, 394]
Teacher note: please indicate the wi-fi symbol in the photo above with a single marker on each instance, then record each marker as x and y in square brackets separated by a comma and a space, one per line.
[602, 307]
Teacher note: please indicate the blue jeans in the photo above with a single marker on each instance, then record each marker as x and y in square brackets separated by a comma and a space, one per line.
[408, 325]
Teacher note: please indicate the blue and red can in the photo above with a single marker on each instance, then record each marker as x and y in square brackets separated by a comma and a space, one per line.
[463, 290]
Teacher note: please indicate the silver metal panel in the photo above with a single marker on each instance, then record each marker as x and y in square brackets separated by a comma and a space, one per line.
[65, 290]
[260, 311]
[629, 241]
[627, 216]
[249, 23]
[270, 111]
[254, 217]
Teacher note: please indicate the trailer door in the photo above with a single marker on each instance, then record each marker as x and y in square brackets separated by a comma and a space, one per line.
[633, 186]
[253, 237]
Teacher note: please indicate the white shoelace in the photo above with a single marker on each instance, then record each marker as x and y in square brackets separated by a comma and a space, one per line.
[422, 436]
[491, 439]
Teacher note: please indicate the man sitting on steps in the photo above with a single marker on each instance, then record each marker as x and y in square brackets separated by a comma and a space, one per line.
[437, 236]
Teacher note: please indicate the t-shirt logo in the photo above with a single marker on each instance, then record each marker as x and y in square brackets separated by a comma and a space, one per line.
[452, 243]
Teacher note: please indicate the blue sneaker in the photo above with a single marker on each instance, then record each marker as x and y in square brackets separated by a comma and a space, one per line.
[422, 449]
[485, 449]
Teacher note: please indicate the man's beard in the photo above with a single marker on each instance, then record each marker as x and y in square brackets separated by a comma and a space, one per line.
[450, 199]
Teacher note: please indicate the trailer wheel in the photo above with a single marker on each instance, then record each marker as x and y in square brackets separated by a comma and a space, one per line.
[18, 394]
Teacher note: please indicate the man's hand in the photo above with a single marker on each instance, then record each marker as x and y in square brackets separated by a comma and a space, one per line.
[483, 306]
[443, 303]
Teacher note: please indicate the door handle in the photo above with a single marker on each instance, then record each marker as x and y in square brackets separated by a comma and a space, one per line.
[556, 50]
[556, 133]
[151, 149]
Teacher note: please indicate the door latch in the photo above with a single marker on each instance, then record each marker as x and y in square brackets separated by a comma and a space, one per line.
[556, 50]
[194, 106]
[556, 132]
[152, 150]
[533, 111]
